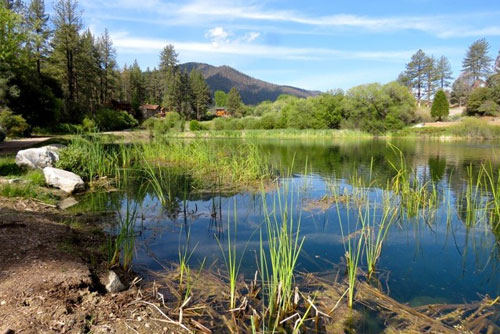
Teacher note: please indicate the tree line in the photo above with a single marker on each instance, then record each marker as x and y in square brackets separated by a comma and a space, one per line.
[53, 70]
[477, 86]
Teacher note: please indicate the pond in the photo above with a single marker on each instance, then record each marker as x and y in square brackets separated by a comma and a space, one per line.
[441, 256]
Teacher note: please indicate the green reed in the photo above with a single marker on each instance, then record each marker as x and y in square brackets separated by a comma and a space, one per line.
[417, 198]
[353, 246]
[231, 260]
[234, 165]
[123, 244]
[493, 185]
[375, 227]
[279, 259]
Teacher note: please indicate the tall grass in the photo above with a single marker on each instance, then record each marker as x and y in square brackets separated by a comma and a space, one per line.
[375, 228]
[230, 257]
[353, 246]
[277, 133]
[123, 245]
[417, 198]
[240, 164]
[279, 259]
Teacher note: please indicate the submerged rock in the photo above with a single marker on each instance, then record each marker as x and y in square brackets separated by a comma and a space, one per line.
[114, 284]
[67, 203]
[64, 180]
[40, 157]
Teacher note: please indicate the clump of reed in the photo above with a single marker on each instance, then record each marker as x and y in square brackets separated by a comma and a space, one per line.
[230, 256]
[121, 248]
[240, 164]
[91, 157]
[375, 226]
[278, 260]
[418, 199]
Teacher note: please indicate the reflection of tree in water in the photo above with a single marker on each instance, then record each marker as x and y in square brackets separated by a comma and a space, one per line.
[437, 167]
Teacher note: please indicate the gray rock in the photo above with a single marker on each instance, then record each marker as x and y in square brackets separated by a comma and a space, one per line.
[67, 203]
[40, 157]
[64, 180]
[114, 284]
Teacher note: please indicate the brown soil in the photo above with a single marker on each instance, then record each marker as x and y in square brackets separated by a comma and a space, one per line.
[49, 277]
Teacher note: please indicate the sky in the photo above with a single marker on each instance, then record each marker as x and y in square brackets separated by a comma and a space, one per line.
[313, 44]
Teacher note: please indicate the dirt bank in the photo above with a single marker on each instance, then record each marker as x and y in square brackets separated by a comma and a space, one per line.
[50, 264]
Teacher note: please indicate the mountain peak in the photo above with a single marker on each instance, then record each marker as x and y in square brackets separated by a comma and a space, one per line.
[252, 91]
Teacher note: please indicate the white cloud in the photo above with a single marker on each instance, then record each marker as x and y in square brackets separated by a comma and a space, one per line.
[209, 12]
[242, 47]
[217, 35]
[251, 36]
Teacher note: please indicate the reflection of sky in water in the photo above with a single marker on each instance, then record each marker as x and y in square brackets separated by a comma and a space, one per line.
[440, 262]
[437, 263]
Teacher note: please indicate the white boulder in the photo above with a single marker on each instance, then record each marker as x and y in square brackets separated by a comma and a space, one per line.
[114, 284]
[40, 157]
[64, 180]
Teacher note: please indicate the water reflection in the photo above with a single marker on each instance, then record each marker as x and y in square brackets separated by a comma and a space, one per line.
[449, 254]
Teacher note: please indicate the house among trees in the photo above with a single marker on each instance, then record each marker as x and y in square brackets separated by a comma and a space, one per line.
[221, 112]
[150, 110]
[118, 105]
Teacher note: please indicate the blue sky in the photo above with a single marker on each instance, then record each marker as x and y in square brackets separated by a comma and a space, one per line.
[310, 44]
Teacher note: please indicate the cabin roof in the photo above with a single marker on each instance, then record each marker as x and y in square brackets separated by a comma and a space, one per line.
[150, 106]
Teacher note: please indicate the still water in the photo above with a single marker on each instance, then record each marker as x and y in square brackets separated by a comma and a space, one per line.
[442, 259]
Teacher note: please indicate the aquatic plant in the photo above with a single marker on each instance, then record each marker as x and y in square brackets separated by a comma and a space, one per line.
[278, 260]
[353, 246]
[124, 242]
[230, 257]
[418, 199]
[375, 228]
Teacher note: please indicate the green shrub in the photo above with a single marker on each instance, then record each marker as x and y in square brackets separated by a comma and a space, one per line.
[15, 125]
[194, 125]
[269, 120]
[219, 124]
[88, 125]
[477, 98]
[251, 123]
[113, 120]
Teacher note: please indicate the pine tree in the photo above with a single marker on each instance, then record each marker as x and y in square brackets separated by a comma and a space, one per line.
[440, 106]
[137, 90]
[39, 32]
[87, 72]
[67, 22]
[200, 93]
[477, 63]
[430, 77]
[443, 72]
[234, 102]
[108, 75]
[497, 63]
[415, 72]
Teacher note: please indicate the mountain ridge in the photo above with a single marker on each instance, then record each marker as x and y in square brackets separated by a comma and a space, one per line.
[252, 90]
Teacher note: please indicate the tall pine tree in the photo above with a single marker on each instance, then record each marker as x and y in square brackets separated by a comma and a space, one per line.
[477, 63]
[415, 73]
[200, 93]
